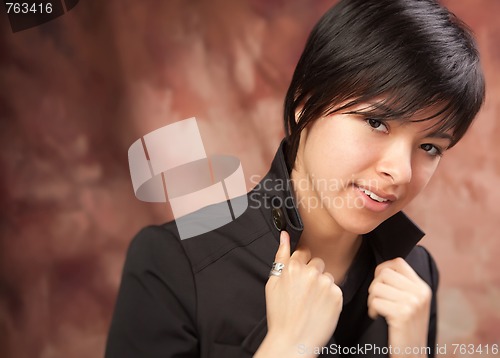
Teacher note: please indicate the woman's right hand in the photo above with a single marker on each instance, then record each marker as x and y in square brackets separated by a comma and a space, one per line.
[303, 304]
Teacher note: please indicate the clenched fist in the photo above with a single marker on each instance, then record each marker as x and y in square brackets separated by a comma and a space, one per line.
[399, 295]
[303, 304]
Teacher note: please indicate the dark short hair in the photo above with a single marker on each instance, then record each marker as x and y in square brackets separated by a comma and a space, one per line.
[414, 54]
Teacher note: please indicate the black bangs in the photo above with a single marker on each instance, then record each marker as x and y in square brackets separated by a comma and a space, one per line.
[399, 56]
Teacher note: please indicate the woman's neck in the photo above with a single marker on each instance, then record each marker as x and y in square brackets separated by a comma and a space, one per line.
[322, 235]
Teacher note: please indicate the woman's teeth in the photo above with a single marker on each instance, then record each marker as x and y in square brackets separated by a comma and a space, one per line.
[373, 196]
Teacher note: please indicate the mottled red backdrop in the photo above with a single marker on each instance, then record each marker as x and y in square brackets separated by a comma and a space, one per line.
[77, 91]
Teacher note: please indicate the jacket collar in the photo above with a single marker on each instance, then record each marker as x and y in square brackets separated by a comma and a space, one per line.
[395, 237]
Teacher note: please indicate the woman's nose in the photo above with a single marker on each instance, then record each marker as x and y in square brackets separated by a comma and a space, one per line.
[395, 163]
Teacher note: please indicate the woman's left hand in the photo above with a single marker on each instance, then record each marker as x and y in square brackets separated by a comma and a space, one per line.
[399, 295]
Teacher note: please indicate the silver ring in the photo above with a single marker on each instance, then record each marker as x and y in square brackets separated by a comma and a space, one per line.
[276, 269]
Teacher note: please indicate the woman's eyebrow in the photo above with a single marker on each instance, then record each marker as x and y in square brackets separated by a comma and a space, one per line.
[440, 135]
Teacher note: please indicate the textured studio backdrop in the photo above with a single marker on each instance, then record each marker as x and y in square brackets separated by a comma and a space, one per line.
[76, 92]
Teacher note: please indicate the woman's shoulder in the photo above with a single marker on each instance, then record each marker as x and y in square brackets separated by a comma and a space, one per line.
[155, 241]
[164, 247]
[157, 250]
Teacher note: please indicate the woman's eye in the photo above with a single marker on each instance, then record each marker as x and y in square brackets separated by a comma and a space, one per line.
[431, 149]
[377, 125]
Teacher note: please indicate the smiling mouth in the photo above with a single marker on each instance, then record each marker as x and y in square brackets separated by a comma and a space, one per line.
[374, 196]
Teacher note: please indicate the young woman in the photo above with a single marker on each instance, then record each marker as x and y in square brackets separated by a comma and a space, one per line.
[381, 91]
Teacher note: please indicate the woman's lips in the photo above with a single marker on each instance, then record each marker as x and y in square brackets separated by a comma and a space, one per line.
[375, 201]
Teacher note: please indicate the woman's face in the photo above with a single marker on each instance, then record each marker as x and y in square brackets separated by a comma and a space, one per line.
[360, 171]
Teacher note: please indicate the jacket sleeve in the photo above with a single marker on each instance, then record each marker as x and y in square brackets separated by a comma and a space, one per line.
[154, 314]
